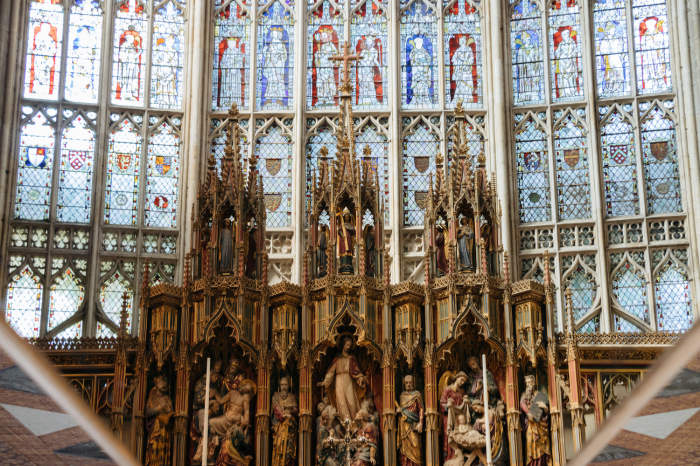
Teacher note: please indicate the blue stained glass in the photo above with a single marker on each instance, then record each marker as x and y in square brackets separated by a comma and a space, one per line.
[370, 136]
[325, 36]
[36, 152]
[565, 51]
[612, 59]
[533, 173]
[84, 44]
[122, 193]
[274, 153]
[660, 157]
[75, 171]
[630, 291]
[619, 166]
[651, 43]
[44, 42]
[163, 176]
[168, 55]
[130, 44]
[419, 32]
[573, 185]
[275, 58]
[527, 56]
[419, 150]
[673, 304]
[463, 66]
[231, 55]
[369, 40]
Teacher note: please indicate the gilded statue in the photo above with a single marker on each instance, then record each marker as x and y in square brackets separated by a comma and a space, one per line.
[365, 455]
[476, 379]
[370, 251]
[345, 382]
[452, 395]
[346, 243]
[410, 412]
[159, 410]
[285, 412]
[465, 245]
[534, 408]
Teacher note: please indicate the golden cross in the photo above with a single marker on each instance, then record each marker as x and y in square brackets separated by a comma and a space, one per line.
[345, 58]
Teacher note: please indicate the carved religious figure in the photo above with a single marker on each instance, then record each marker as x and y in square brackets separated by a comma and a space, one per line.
[326, 449]
[159, 410]
[322, 252]
[487, 237]
[368, 405]
[370, 251]
[346, 243]
[365, 455]
[452, 395]
[465, 245]
[197, 427]
[232, 430]
[233, 379]
[344, 382]
[204, 245]
[409, 411]
[285, 412]
[476, 380]
[441, 258]
[226, 248]
[535, 425]
[251, 252]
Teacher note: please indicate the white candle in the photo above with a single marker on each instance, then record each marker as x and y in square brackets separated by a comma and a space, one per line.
[486, 412]
[205, 437]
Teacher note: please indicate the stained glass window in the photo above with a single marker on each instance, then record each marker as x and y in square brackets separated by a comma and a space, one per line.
[619, 165]
[24, 294]
[527, 57]
[420, 147]
[163, 173]
[625, 326]
[274, 152]
[44, 39]
[325, 31]
[218, 140]
[84, 41]
[36, 152]
[573, 187]
[66, 297]
[122, 193]
[231, 55]
[565, 51]
[370, 135]
[369, 41]
[419, 55]
[168, 55]
[673, 304]
[130, 44]
[111, 300]
[660, 157]
[75, 169]
[321, 136]
[463, 67]
[533, 172]
[474, 135]
[630, 291]
[275, 56]
[583, 290]
[651, 44]
[612, 59]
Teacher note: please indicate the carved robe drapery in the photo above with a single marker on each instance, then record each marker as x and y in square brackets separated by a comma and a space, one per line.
[409, 441]
[537, 442]
[342, 386]
[456, 396]
[159, 410]
[284, 447]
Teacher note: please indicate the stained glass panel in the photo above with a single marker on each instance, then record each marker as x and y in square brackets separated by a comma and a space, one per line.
[130, 44]
[325, 31]
[66, 296]
[533, 173]
[419, 59]
[612, 59]
[231, 55]
[163, 174]
[274, 153]
[369, 40]
[527, 55]
[573, 186]
[23, 311]
[419, 150]
[122, 193]
[379, 160]
[630, 290]
[75, 171]
[168, 55]
[565, 51]
[623, 325]
[583, 291]
[36, 151]
[218, 142]
[275, 58]
[111, 300]
[651, 44]
[474, 137]
[592, 326]
[673, 304]
[44, 43]
[619, 166]
[323, 137]
[463, 68]
[84, 41]
[660, 159]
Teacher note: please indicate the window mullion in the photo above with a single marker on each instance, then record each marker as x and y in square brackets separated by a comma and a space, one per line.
[64, 53]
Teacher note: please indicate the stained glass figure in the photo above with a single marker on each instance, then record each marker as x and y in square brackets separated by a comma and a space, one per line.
[419, 72]
[619, 165]
[322, 136]
[533, 172]
[122, 193]
[163, 174]
[370, 135]
[565, 51]
[84, 41]
[420, 147]
[463, 67]
[369, 40]
[111, 300]
[275, 56]
[75, 170]
[583, 290]
[231, 55]
[673, 303]
[651, 44]
[630, 291]
[130, 43]
[325, 34]
[274, 152]
[573, 185]
[23, 304]
[612, 59]
[660, 157]
[168, 55]
[527, 55]
[43, 60]
[36, 152]
[65, 298]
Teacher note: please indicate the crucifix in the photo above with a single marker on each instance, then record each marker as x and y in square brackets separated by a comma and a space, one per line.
[348, 439]
[345, 58]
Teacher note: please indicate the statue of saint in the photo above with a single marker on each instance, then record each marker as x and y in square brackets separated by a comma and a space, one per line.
[232, 430]
[284, 426]
[159, 410]
[326, 446]
[251, 251]
[322, 252]
[226, 248]
[346, 243]
[476, 377]
[197, 427]
[488, 245]
[320, 408]
[452, 395]
[465, 245]
[370, 251]
[233, 378]
[441, 258]
[343, 381]
[368, 405]
[365, 456]
[535, 425]
[410, 413]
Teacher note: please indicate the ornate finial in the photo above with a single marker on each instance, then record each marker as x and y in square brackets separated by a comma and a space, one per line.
[124, 315]
[345, 59]
[459, 110]
[211, 160]
[367, 151]
[547, 277]
[186, 272]
[569, 310]
[324, 152]
[482, 243]
[233, 111]
[506, 270]
[481, 159]
[439, 159]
